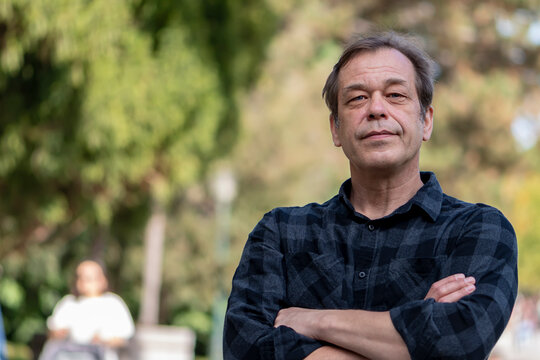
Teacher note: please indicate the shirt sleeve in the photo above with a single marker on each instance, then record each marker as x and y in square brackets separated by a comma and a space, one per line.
[258, 293]
[469, 328]
[62, 316]
[118, 322]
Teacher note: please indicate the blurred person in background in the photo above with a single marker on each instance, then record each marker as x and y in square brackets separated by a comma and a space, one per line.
[3, 343]
[93, 323]
[391, 267]
[526, 320]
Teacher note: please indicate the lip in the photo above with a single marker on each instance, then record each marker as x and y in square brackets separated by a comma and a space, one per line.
[380, 134]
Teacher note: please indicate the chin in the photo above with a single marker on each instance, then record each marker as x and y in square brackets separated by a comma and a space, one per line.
[382, 163]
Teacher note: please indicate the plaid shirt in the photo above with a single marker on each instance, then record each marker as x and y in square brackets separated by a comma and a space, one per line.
[330, 257]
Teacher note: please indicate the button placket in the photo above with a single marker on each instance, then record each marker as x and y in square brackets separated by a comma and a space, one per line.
[363, 274]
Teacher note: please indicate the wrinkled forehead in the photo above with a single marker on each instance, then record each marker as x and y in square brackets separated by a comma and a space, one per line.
[378, 63]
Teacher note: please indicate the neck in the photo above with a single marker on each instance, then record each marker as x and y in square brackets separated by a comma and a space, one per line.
[376, 194]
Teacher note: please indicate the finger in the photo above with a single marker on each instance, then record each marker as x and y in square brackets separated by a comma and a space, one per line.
[449, 285]
[458, 295]
[279, 319]
[457, 285]
[457, 288]
[449, 279]
[437, 289]
[283, 315]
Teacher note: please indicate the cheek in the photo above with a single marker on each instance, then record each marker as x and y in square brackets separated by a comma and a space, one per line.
[418, 135]
[401, 115]
[409, 122]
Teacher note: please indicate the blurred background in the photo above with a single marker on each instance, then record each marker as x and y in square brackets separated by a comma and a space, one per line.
[154, 134]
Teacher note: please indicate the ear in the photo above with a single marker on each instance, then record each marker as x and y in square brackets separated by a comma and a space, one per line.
[334, 129]
[428, 124]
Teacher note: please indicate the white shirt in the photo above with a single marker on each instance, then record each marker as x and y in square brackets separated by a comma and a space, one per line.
[106, 316]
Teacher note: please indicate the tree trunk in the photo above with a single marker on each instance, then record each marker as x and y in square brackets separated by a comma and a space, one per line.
[154, 238]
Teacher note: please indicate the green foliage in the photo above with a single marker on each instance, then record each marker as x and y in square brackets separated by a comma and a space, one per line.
[200, 322]
[232, 35]
[109, 105]
[12, 293]
[480, 113]
[105, 106]
[524, 215]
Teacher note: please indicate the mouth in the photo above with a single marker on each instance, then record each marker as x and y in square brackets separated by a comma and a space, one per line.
[379, 134]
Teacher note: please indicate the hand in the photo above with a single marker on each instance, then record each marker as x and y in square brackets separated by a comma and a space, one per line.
[116, 342]
[451, 288]
[334, 353]
[303, 321]
[112, 342]
[59, 334]
[351, 333]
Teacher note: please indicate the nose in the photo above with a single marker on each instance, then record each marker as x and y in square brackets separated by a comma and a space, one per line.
[377, 109]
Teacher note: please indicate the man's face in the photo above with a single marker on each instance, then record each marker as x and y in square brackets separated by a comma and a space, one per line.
[380, 126]
[90, 279]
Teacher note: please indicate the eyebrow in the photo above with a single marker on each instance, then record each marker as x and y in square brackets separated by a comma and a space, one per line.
[364, 87]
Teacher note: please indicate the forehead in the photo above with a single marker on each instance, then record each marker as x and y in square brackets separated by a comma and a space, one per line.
[370, 67]
[89, 268]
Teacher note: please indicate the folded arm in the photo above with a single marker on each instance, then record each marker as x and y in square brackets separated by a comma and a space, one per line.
[347, 329]
[444, 325]
[454, 325]
[334, 353]
[469, 328]
[257, 295]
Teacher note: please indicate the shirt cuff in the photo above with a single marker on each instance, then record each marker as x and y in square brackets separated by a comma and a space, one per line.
[288, 344]
[414, 322]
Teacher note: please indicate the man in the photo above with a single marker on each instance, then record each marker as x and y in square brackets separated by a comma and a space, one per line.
[390, 268]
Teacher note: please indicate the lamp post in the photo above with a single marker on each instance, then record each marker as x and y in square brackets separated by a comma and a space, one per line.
[224, 191]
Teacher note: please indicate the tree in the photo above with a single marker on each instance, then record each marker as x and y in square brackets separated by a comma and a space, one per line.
[106, 116]
[92, 113]
[232, 35]
[120, 106]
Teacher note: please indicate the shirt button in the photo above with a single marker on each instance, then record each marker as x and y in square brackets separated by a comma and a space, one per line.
[361, 274]
[371, 227]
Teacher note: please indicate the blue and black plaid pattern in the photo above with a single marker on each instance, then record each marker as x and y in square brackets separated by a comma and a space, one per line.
[330, 257]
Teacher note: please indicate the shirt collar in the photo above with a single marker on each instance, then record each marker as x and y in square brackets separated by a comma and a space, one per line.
[428, 198]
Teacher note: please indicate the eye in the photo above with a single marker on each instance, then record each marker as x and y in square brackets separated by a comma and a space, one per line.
[396, 97]
[358, 98]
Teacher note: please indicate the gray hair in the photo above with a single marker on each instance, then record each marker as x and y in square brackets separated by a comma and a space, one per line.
[424, 66]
